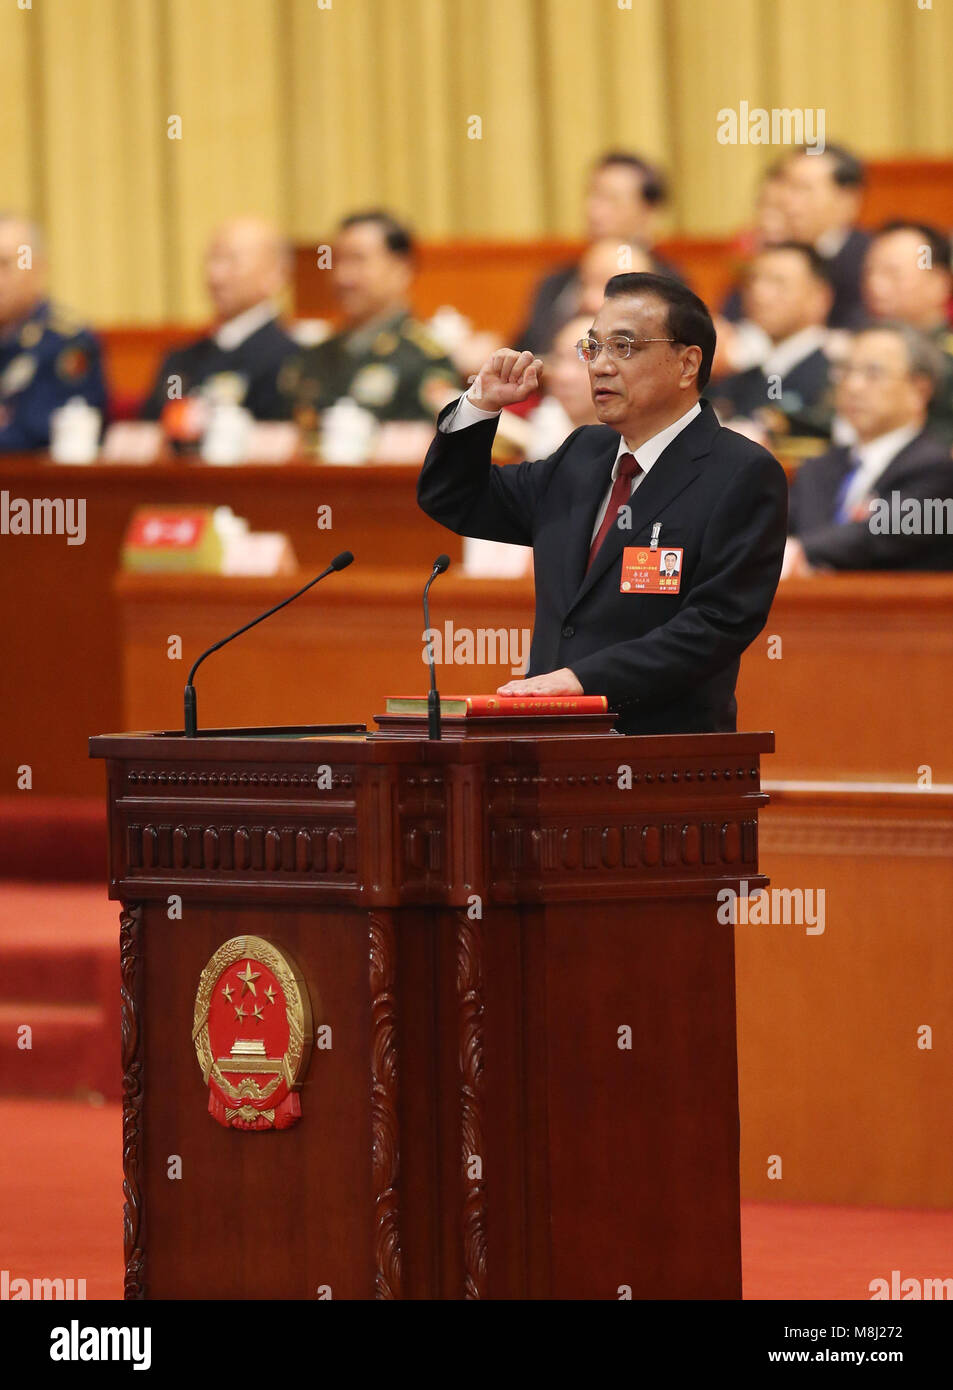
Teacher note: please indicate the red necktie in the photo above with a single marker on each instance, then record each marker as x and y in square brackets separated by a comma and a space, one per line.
[621, 491]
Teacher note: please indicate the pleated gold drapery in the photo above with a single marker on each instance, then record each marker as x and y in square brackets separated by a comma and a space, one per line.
[304, 109]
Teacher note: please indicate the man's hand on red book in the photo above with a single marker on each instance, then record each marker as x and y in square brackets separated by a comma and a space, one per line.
[562, 682]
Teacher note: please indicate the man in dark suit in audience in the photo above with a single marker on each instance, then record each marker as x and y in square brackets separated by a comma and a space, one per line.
[246, 270]
[623, 201]
[908, 279]
[886, 502]
[788, 294]
[824, 193]
[659, 472]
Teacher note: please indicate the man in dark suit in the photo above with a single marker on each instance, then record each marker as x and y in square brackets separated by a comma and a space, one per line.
[877, 503]
[824, 193]
[908, 278]
[623, 199]
[787, 294]
[246, 271]
[659, 471]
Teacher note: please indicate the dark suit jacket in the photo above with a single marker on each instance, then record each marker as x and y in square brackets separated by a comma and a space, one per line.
[667, 662]
[258, 361]
[847, 310]
[921, 470]
[802, 388]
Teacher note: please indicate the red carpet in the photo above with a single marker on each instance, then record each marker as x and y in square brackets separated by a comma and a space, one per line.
[59, 974]
[61, 1217]
[53, 837]
[60, 1163]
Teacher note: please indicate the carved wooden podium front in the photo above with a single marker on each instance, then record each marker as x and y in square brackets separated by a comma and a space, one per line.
[505, 960]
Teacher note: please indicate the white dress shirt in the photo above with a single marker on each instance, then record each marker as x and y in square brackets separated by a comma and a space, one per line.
[874, 458]
[645, 456]
[789, 353]
[233, 332]
[466, 413]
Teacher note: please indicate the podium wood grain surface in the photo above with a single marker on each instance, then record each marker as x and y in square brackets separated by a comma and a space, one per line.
[476, 1129]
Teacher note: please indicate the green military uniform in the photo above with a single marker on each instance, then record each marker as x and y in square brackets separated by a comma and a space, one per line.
[940, 414]
[392, 367]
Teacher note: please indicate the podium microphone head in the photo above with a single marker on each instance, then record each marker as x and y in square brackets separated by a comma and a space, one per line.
[341, 562]
[441, 563]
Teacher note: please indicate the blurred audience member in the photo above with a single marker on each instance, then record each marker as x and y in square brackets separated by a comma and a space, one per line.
[602, 260]
[907, 279]
[823, 194]
[623, 200]
[787, 294]
[770, 229]
[246, 270]
[383, 359]
[886, 502]
[567, 402]
[46, 357]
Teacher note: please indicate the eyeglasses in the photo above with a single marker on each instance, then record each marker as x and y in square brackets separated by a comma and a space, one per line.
[870, 372]
[618, 348]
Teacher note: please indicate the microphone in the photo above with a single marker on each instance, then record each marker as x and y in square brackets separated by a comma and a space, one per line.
[340, 562]
[441, 564]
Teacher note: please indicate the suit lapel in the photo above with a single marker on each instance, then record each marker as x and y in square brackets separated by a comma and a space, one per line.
[592, 482]
[675, 468]
[908, 457]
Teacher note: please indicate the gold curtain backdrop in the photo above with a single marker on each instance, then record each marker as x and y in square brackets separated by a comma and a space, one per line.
[305, 109]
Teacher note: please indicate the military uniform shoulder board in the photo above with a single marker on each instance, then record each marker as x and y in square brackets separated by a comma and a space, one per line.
[64, 323]
[417, 334]
[31, 333]
[385, 343]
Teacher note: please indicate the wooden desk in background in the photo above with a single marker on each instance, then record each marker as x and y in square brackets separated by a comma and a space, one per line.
[58, 619]
[861, 690]
[832, 1079]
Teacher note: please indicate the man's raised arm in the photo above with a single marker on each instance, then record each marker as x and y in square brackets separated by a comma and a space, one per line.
[459, 486]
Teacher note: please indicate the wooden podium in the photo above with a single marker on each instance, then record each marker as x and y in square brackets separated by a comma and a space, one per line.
[523, 1082]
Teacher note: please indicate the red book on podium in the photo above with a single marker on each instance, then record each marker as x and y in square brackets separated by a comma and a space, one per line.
[498, 716]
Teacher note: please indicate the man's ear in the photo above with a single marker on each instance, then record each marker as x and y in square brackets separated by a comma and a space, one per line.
[691, 365]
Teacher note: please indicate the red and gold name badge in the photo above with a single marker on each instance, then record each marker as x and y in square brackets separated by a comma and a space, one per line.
[252, 1034]
[648, 571]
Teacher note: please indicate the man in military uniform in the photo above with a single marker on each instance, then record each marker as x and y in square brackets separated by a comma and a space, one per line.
[246, 270]
[383, 358]
[907, 278]
[46, 358]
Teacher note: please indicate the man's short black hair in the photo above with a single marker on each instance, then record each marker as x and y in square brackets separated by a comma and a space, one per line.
[930, 236]
[653, 189]
[848, 170]
[670, 552]
[816, 263]
[688, 321]
[397, 238]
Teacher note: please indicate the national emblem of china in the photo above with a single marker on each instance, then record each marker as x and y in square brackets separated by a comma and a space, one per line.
[252, 1034]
